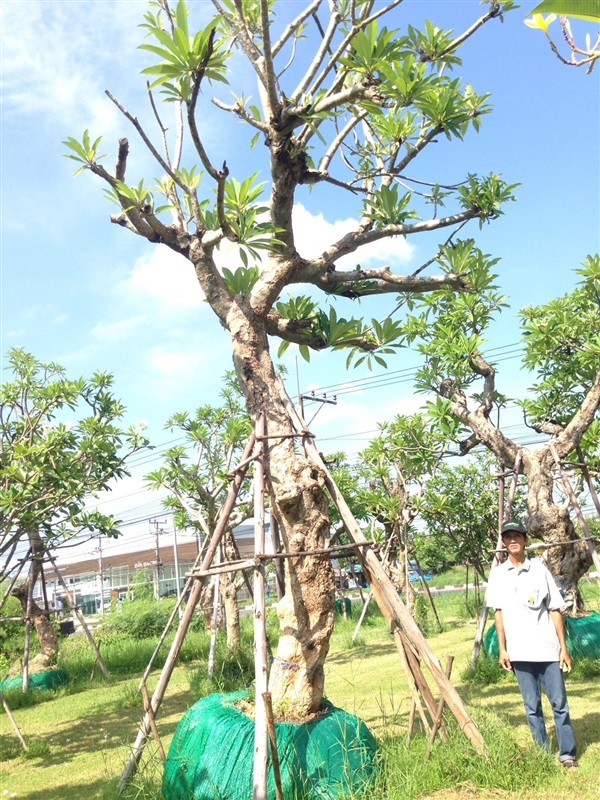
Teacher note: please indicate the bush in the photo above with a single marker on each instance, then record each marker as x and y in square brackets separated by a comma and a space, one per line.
[139, 619]
[485, 672]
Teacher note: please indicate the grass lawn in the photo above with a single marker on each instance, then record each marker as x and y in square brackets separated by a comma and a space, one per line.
[79, 741]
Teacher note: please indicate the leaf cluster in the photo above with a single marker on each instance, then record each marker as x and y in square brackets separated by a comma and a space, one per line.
[62, 443]
[197, 471]
[562, 347]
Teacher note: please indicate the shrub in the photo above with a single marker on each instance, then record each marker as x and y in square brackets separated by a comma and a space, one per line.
[485, 672]
[139, 619]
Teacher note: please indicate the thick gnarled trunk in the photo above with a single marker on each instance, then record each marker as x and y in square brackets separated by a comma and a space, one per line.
[550, 522]
[298, 500]
[45, 630]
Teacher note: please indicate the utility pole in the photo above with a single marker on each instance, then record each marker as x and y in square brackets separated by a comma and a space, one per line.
[159, 564]
[101, 572]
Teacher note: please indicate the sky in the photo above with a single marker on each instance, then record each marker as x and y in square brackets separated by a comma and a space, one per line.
[89, 295]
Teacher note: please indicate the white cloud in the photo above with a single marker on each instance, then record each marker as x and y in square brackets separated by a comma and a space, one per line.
[116, 331]
[314, 234]
[167, 278]
[56, 56]
[171, 362]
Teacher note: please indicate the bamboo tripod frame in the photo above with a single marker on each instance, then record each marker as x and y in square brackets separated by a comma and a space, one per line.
[408, 639]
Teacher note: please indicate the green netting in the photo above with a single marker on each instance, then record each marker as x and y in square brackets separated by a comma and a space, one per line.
[341, 603]
[49, 679]
[583, 637]
[212, 752]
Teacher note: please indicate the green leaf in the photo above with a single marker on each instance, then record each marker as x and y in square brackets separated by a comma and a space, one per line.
[580, 9]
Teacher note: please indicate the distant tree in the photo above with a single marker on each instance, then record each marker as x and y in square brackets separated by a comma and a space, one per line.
[395, 469]
[561, 341]
[460, 512]
[196, 474]
[346, 105]
[61, 444]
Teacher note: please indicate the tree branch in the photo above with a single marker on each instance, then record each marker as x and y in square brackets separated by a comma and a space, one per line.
[385, 281]
[568, 439]
[365, 235]
[293, 26]
[315, 65]
[266, 62]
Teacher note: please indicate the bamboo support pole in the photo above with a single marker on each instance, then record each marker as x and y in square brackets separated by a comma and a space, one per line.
[215, 625]
[81, 619]
[387, 598]
[261, 753]
[416, 704]
[440, 712]
[9, 714]
[577, 507]
[169, 665]
[420, 680]
[228, 566]
[279, 567]
[28, 631]
[427, 589]
[151, 717]
[14, 579]
[363, 614]
[588, 478]
[367, 602]
[274, 750]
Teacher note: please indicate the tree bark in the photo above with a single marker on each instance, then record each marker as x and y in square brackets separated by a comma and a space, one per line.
[45, 631]
[297, 493]
[551, 522]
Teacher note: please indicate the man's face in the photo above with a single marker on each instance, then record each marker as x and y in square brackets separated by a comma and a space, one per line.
[514, 541]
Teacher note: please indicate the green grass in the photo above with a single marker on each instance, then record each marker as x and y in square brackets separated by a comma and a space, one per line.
[80, 735]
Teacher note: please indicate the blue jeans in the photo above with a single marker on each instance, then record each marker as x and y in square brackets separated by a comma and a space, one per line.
[530, 676]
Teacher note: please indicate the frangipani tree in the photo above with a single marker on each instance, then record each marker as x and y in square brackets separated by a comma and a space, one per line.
[393, 472]
[347, 104]
[562, 349]
[62, 444]
[196, 474]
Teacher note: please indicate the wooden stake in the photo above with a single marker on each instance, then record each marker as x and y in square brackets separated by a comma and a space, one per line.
[14, 579]
[215, 625]
[429, 595]
[273, 739]
[363, 614]
[28, 632]
[588, 478]
[261, 754]
[440, 711]
[14, 722]
[148, 710]
[279, 567]
[416, 704]
[577, 507]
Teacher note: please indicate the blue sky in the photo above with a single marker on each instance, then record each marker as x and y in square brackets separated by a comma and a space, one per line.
[91, 296]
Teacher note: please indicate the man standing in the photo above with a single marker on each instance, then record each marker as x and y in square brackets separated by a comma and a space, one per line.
[532, 639]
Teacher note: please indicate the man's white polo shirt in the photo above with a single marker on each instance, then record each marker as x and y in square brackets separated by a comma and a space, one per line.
[525, 594]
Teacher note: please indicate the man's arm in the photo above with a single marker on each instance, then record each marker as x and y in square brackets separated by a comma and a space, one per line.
[566, 662]
[504, 659]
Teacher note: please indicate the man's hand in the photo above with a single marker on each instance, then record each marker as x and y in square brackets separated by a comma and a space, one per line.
[505, 661]
[566, 662]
